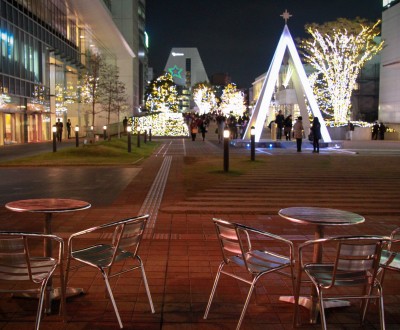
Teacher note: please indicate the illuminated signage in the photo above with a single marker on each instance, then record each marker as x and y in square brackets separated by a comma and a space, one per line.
[177, 54]
[175, 71]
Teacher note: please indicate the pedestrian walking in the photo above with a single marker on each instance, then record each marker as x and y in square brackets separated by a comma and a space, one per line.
[202, 127]
[59, 126]
[221, 127]
[375, 130]
[298, 132]
[69, 128]
[279, 119]
[125, 124]
[193, 128]
[316, 133]
[288, 127]
[382, 130]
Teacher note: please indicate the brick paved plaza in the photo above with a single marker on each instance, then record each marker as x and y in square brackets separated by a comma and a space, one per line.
[180, 249]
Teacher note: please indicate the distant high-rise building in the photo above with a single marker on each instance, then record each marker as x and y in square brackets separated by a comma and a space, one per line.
[186, 68]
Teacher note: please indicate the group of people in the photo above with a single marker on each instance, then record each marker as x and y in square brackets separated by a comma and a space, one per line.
[199, 124]
[285, 125]
[378, 131]
[60, 127]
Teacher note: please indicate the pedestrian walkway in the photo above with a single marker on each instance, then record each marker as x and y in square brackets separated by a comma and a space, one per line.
[180, 249]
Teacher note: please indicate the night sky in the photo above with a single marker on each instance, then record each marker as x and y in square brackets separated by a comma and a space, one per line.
[238, 37]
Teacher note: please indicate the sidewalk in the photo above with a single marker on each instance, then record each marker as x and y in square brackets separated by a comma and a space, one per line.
[180, 250]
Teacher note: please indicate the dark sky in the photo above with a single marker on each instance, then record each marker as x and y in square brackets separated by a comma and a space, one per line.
[238, 36]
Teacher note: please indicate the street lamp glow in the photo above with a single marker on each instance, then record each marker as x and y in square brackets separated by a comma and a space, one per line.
[129, 129]
[76, 128]
[226, 133]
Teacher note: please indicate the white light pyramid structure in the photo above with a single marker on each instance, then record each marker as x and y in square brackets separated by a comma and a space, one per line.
[300, 82]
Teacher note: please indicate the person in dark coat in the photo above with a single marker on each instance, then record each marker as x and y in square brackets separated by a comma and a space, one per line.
[375, 130]
[316, 132]
[279, 124]
[382, 130]
[288, 127]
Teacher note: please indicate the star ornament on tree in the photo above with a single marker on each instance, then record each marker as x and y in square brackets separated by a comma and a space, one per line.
[175, 71]
[286, 16]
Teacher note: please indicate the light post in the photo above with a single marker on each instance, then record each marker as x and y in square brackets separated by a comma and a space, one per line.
[105, 131]
[226, 150]
[252, 143]
[150, 134]
[145, 135]
[77, 136]
[138, 137]
[54, 130]
[129, 130]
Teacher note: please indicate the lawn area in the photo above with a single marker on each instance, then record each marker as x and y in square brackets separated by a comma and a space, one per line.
[114, 152]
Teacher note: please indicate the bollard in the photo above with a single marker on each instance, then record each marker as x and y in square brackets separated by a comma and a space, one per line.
[54, 129]
[226, 150]
[129, 130]
[252, 143]
[138, 139]
[77, 136]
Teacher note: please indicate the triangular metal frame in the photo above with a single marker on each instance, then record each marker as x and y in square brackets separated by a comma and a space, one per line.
[302, 86]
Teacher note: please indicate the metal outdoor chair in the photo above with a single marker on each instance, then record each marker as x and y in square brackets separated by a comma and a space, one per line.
[124, 244]
[347, 269]
[236, 247]
[390, 257]
[19, 262]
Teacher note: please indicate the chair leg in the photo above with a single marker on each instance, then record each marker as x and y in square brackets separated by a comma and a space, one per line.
[146, 285]
[321, 309]
[112, 298]
[296, 289]
[40, 305]
[381, 308]
[63, 301]
[213, 289]
[246, 303]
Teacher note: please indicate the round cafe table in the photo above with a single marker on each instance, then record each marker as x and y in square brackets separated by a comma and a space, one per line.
[48, 206]
[320, 217]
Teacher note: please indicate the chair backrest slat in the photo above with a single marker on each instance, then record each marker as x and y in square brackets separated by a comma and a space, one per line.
[128, 235]
[14, 259]
[356, 257]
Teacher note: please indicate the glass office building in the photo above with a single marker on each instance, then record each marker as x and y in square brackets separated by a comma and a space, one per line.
[45, 46]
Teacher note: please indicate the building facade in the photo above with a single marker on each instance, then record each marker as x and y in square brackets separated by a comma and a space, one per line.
[389, 96]
[45, 48]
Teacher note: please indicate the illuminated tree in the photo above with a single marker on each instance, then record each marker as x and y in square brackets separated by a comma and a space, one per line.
[89, 88]
[63, 97]
[112, 92]
[162, 95]
[337, 51]
[204, 96]
[232, 101]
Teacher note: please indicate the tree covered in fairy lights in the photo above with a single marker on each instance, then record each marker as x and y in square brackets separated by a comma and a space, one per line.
[204, 97]
[89, 86]
[162, 94]
[337, 51]
[232, 101]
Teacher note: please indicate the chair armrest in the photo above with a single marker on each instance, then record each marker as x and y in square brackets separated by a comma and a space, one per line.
[101, 227]
[272, 236]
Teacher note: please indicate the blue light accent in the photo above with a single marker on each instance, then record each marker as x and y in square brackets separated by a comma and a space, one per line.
[270, 145]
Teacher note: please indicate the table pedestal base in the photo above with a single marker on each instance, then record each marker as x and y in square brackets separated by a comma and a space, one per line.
[55, 294]
[307, 303]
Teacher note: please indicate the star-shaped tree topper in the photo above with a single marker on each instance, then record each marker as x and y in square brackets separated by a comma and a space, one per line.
[175, 71]
[286, 15]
